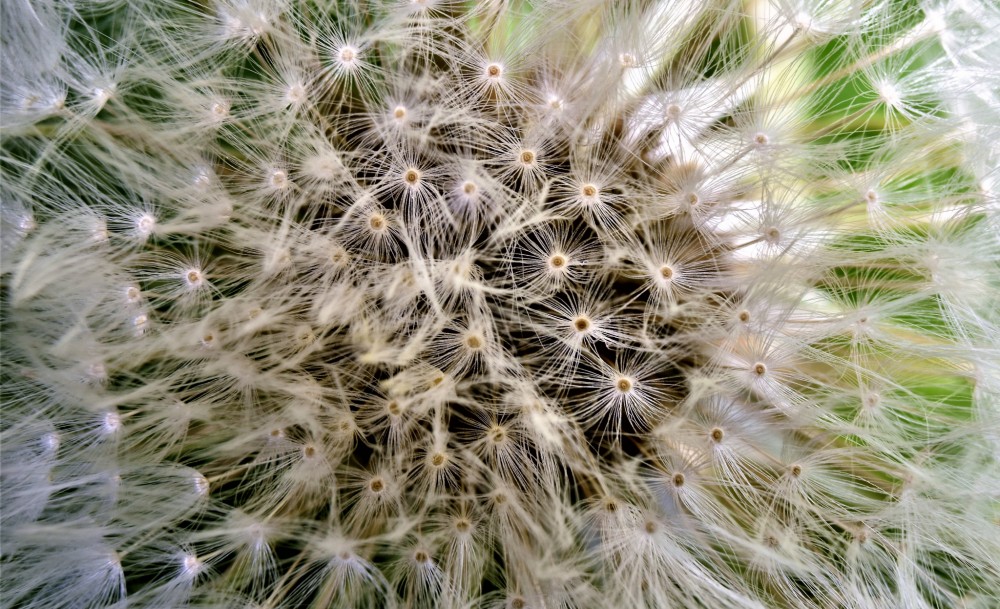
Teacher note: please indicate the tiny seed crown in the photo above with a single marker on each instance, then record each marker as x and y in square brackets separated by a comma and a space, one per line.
[628, 60]
[347, 55]
[497, 434]
[278, 179]
[411, 177]
[145, 225]
[111, 423]
[474, 341]
[194, 278]
[201, 485]
[190, 565]
[296, 94]
[378, 222]
[219, 110]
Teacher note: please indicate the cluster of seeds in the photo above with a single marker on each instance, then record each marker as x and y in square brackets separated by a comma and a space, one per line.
[335, 303]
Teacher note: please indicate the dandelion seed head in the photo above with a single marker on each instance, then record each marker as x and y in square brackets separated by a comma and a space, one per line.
[487, 304]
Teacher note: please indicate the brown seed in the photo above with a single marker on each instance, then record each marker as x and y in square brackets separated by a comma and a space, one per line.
[582, 324]
[437, 460]
[717, 435]
[527, 157]
[678, 479]
[623, 385]
[589, 190]
[558, 261]
[411, 176]
[493, 70]
[377, 485]
[377, 222]
[759, 369]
